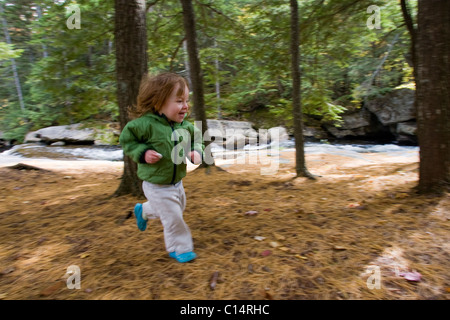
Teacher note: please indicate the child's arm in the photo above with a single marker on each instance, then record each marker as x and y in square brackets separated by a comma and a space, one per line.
[133, 144]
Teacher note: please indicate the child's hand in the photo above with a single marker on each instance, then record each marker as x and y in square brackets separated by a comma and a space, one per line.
[152, 156]
[195, 157]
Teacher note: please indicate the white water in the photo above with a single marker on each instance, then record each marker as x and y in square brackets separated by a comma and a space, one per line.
[114, 153]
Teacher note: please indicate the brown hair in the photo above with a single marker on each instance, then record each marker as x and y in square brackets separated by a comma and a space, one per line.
[154, 92]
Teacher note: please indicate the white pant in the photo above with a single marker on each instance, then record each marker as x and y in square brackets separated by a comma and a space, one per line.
[167, 202]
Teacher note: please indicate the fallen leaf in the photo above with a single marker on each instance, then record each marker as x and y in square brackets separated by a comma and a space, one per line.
[266, 253]
[411, 276]
[268, 294]
[52, 289]
[279, 236]
[214, 278]
[274, 244]
[84, 255]
[266, 269]
[7, 270]
[401, 195]
[110, 262]
[301, 257]
[339, 248]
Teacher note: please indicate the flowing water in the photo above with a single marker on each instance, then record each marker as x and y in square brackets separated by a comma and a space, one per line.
[114, 153]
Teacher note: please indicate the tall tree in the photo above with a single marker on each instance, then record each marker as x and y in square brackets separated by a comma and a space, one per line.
[13, 61]
[194, 66]
[131, 64]
[296, 93]
[407, 16]
[433, 93]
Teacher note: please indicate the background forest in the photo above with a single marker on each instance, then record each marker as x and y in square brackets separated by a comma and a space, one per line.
[53, 75]
[274, 237]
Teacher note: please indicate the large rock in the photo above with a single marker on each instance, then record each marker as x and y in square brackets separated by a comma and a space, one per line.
[406, 132]
[346, 133]
[233, 134]
[356, 119]
[32, 136]
[278, 134]
[70, 134]
[215, 129]
[396, 106]
[354, 124]
[407, 128]
[386, 118]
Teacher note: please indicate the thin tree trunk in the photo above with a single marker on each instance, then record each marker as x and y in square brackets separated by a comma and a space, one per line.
[296, 94]
[217, 65]
[406, 11]
[44, 46]
[195, 67]
[131, 64]
[433, 94]
[186, 63]
[13, 61]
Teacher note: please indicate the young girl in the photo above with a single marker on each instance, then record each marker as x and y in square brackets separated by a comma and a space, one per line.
[151, 140]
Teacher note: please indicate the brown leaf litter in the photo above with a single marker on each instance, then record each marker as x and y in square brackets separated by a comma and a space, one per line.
[309, 239]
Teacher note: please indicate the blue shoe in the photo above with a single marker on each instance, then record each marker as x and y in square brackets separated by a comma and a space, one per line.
[141, 223]
[184, 257]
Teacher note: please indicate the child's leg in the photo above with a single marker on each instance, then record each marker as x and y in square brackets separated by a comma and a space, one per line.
[169, 202]
[147, 211]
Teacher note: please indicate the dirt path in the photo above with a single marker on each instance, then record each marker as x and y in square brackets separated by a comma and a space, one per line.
[314, 239]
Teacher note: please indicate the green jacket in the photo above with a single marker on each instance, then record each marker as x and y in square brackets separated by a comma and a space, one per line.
[172, 140]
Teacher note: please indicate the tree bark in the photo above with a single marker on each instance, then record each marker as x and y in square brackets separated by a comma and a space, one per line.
[131, 65]
[412, 32]
[44, 46]
[13, 63]
[433, 94]
[296, 93]
[195, 70]
[217, 65]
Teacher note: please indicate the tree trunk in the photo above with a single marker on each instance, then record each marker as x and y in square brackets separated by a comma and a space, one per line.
[296, 95]
[194, 67]
[13, 62]
[217, 65]
[433, 94]
[406, 11]
[44, 46]
[131, 64]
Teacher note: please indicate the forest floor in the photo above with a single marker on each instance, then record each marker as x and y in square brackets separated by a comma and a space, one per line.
[359, 231]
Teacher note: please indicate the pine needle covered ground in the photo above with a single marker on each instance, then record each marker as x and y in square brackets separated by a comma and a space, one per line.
[256, 236]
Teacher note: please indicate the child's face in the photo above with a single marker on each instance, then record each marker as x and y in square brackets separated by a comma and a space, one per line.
[176, 107]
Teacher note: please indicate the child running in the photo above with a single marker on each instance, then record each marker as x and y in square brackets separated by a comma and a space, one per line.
[159, 140]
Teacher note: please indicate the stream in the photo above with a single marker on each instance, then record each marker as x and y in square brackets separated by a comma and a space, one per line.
[114, 153]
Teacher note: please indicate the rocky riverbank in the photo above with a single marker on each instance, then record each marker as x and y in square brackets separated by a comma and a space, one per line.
[387, 119]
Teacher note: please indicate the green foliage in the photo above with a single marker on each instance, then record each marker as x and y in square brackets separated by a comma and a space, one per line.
[68, 75]
[7, 51]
